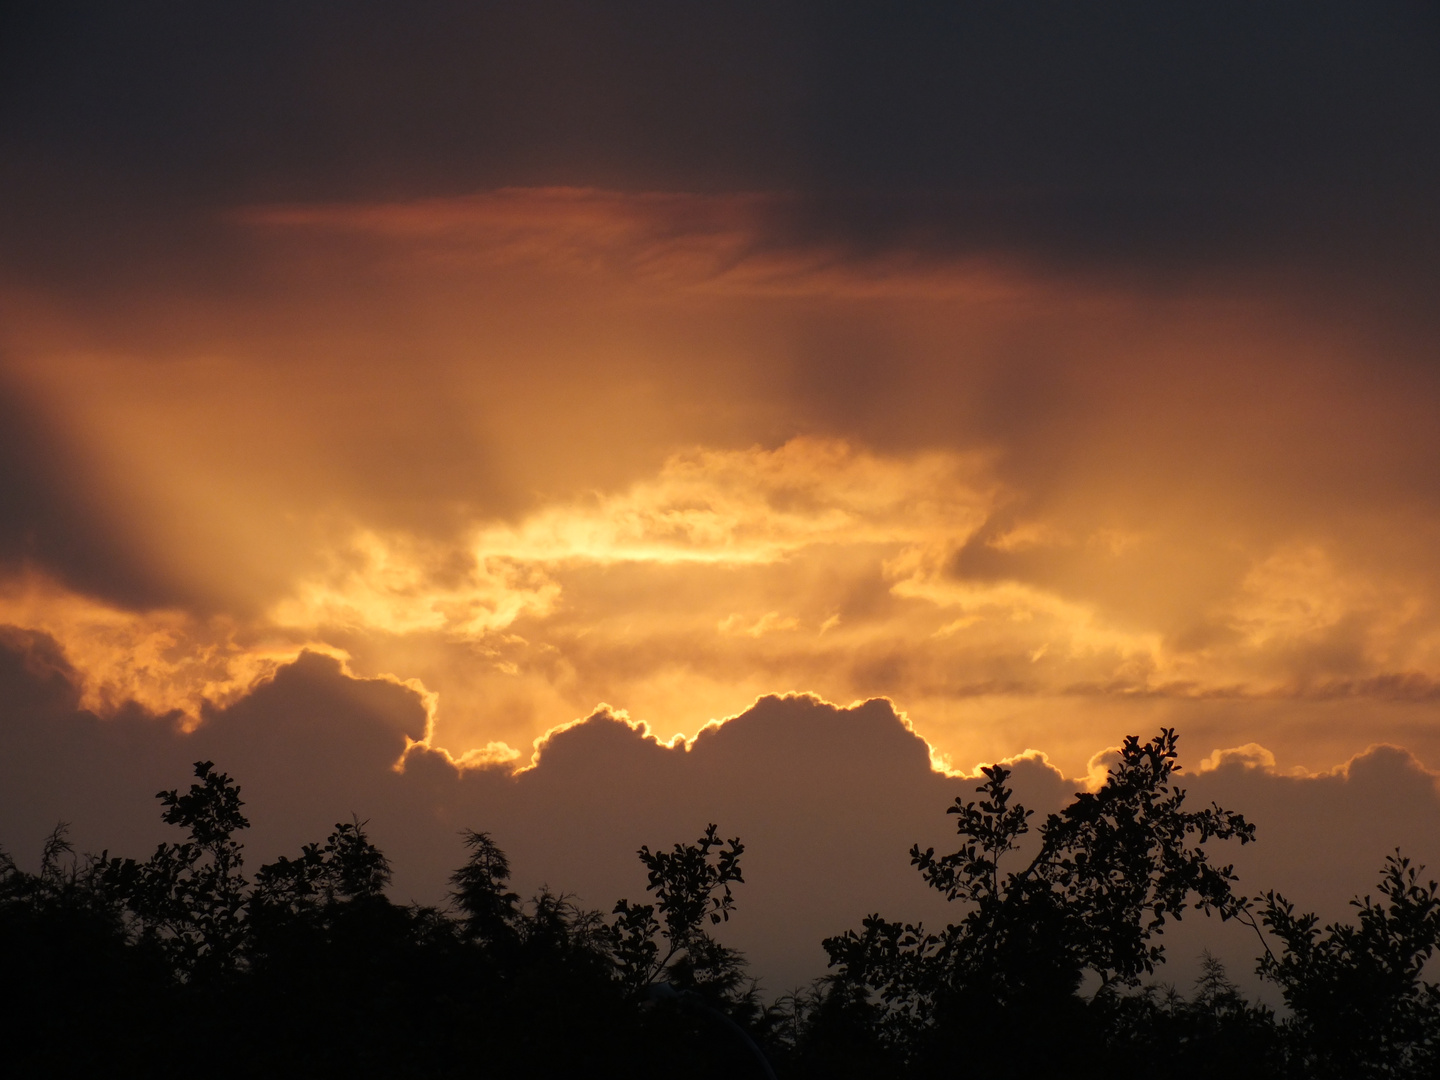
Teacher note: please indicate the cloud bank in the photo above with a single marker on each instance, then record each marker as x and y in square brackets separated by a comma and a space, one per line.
[827, 799]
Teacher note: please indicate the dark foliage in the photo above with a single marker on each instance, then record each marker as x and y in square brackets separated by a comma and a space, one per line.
[182, 963]
[667, 939]
[1108, 872]
[1360, 1005]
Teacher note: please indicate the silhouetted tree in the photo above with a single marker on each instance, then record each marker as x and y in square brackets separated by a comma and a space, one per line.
[1360, 1005]
[347, 867]
[832, 1029]
[699, 1007]
[190, 897]
[311, 969]
[78, 989]
[1110, 870]
[1215, 1032]
[480, 890]
[667, 939]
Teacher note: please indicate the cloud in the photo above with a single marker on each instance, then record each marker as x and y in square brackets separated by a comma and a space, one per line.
[817, 564]
[537, 435]
[309, 743]
[737, 245]
[723, 508]
[401, 585]
[1323, 836]
[1251, 755]
[1128, 133]
[827, 799]
[165, 660]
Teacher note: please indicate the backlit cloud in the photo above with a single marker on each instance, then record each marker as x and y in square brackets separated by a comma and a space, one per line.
[827, 799]
[817, 564]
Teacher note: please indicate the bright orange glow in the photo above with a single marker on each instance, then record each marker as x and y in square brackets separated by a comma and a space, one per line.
[532, 449]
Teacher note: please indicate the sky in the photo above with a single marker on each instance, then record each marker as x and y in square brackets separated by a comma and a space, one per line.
[498, 416]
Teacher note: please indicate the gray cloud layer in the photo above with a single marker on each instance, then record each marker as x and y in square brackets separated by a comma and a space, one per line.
[1170, 134]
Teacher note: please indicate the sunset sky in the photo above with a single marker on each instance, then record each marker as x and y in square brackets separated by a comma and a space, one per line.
[386, 388]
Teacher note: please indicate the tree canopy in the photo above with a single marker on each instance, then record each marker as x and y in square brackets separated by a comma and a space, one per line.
[308, 967]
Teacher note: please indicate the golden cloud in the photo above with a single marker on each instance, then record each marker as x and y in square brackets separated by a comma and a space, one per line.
[537, 448]
[815, 564]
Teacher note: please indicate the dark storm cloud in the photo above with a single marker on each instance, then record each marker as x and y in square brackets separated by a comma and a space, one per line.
[1168, 133]
[310, 747]
[827, 800]
[1380, 800]
[59, 762]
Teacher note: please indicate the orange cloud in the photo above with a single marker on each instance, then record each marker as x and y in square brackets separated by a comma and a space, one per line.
[815, 565]
[538, 448]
